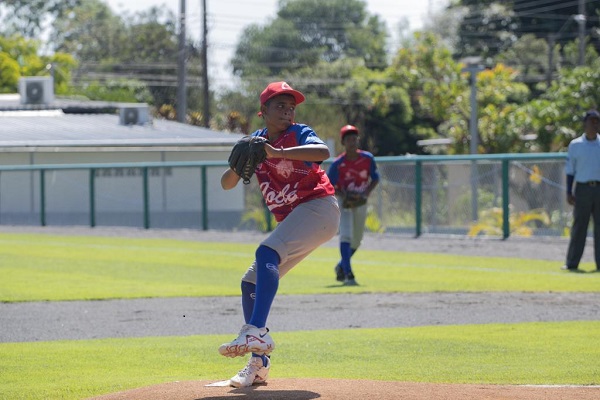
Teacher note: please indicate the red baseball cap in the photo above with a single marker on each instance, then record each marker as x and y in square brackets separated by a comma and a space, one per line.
[277, 88]
[347, 130]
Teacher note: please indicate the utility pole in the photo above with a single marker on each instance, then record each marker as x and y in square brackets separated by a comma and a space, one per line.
[181, 65]
[473, 69]
[553, 37]
[550, 71]
[205, 67]
[581, 21]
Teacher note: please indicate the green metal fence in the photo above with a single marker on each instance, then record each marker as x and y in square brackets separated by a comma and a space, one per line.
[494, 195]
[42, 170]
[453, 194]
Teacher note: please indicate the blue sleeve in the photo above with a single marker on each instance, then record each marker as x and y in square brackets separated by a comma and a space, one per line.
[374, 171]
[306, 135]
[570, 179]
[333, 172]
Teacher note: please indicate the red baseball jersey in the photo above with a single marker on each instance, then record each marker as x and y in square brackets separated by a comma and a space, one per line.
[286, 183]
[353, 175]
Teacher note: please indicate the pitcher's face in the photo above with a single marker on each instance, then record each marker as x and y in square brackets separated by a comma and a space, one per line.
[279, 112]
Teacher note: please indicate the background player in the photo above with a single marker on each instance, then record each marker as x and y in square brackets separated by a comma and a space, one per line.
[298, 193]
[353, 173]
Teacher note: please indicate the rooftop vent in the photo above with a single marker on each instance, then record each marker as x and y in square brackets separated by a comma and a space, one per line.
[36, 90]
[134, 114]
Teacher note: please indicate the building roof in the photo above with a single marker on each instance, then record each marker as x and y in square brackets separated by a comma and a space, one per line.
[51, 126]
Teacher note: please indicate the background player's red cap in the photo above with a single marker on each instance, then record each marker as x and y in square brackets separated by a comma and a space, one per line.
[346, 130]
[277, 88]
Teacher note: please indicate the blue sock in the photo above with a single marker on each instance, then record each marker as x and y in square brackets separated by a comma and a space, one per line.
[267, 283]
[248, 293]
[352, 251]
[262, 357]
[346, 253]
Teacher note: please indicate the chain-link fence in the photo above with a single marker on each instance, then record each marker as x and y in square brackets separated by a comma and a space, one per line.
[500, 196]
[493, 195]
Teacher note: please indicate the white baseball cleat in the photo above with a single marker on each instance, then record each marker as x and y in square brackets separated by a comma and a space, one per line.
[254, 372]
[250, 340]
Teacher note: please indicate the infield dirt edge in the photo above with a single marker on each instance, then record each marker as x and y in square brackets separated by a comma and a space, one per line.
[305, 389]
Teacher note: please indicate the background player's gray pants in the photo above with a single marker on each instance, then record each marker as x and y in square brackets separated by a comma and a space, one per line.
[352, 225]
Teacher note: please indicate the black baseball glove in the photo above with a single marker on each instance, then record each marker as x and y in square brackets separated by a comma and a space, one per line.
[353, 199]
[246, 154]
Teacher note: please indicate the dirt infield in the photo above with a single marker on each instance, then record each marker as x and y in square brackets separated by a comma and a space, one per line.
[337, 389]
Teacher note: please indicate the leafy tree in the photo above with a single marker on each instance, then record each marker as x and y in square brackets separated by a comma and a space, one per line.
[26, 17]
[9, 73]
[485, 31]
[432, 79]
[91, 32]
[491, 26]
[62, 67]
[150, 51]
[394, 107]
[341, 85]
[308, 31]
[427, 70]
[386, 123]
[445, 24]
[342, 28]
[529, 55]
[271, 50]
[556, 117]
[364, 98]
[109, 47]
[142, 48]
[119, 90]
[236, 111]
[498, 96]
[20, 57]
[570, 53]
[554, 17]
[152, 36]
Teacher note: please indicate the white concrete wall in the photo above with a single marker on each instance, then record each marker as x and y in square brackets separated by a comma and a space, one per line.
[117, 190]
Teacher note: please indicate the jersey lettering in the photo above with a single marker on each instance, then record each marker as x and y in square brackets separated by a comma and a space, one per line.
[276, 199]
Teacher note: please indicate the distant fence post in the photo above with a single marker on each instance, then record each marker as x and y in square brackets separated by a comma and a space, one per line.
[146, 199]
[204, 196]
[42, 197]
[505, 200]
[418, 197]
[92, 197]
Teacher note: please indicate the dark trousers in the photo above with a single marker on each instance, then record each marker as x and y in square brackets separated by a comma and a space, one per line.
[587, 203]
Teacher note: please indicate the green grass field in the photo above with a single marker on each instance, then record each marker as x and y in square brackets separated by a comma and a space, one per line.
[43, 267]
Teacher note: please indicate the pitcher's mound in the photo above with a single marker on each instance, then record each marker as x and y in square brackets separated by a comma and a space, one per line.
[306, 389]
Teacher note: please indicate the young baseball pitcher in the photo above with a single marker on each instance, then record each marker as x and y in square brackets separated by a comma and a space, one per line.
[301, 198]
